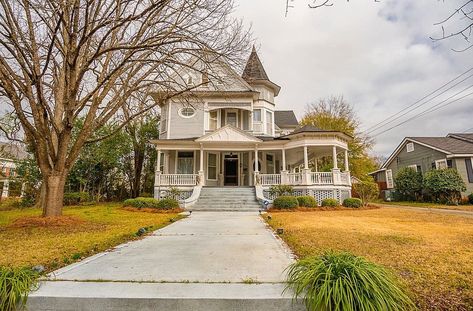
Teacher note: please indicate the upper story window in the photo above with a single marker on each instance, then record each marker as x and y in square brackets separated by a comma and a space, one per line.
[257, 115]
[187, 112]
[410, 147]
[269, 122]
[213, 117]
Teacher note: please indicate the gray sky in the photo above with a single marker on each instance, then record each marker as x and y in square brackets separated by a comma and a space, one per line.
[377, 55]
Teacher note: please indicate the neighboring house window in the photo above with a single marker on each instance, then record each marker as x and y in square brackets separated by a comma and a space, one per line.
[410, 147]
[269, 122]
[441, 164]
[469, 170]
[187, 112]
[212, 166]
[414, 167]
[213, 115]
[185, 162]
[389, 179]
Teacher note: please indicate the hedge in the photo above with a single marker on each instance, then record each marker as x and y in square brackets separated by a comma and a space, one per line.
[151, 203]
[352, 202]
[286, 202]
[307, 201]
[330, 203]
[470, 198]
[74, 198]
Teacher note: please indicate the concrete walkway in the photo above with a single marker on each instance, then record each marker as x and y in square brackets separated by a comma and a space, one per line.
[204, 262]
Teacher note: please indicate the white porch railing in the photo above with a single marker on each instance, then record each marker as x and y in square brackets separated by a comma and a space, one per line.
[270, 179]
[294, 178]
[177, 179]
[322, 178]
[345, 178]
[312, 178]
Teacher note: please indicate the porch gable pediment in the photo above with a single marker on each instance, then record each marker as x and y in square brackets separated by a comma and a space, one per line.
[228, 133]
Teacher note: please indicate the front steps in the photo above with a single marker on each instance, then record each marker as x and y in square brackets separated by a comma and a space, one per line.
[227, 199]
[125, 296]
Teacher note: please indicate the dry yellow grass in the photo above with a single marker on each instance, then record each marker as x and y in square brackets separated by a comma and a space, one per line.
[431, 253]
[101, 227]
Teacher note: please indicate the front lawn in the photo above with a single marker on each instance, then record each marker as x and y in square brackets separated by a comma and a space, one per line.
[468, 208]
[86, 230]
[431, 253]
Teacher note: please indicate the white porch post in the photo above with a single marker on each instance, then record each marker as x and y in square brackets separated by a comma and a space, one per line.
[346, 161]
[157, 175]
[306, 158]
[284, 179]
[334, 157]
[306, 180]
[256, 181]
[201, 180]
[335, 171]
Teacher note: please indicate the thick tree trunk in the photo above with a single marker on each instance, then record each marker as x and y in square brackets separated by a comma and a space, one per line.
[52, 202]
[139, 160]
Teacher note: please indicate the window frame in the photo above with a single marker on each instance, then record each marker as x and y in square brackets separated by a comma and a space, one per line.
[179, 112]
[215, 119]
[389, 179]
[216, 166]
[410, 147]
[413, 166]
[469, 170]
[437, 162]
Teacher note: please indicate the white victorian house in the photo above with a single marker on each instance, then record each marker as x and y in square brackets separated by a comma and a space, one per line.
[230, 134]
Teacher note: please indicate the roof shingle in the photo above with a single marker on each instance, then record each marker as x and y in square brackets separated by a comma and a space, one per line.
[254, 69]
[285, 118]
[448, 144]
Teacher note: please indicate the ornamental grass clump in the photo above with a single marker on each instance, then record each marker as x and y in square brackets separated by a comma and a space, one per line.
[15, 285]
[342, 281]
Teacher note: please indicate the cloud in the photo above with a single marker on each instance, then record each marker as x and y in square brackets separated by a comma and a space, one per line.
[378, 55]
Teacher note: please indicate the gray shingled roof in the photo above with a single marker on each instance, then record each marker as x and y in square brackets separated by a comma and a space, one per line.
[285, 118]
[308, 128]
[448, 144]
[254, 69]
[462, 136]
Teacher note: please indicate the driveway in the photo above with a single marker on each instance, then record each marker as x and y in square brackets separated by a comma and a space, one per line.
[204, 247]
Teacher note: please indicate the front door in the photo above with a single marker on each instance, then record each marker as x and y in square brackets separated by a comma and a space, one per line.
[230, 170]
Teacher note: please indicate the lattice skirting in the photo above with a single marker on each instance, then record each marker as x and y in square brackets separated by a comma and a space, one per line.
[319, 195]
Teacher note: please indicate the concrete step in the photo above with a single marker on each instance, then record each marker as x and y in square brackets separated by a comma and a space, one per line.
[121, 296]
[227, 199]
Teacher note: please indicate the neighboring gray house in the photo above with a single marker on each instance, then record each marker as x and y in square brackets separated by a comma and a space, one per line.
[426, 153]
[229, 133]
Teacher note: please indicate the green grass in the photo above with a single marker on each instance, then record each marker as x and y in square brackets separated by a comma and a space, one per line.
[92, 229]
[431, 253]
[429, 205]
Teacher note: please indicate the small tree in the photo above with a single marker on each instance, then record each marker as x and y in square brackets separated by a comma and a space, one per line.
[409, 183]
[367, 190]
[444, 185]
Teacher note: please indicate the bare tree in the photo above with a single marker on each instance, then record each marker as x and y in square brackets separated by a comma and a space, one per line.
[65, 59]
[458, 24]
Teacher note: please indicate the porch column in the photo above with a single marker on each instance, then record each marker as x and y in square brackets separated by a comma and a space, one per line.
[335, 171]
[346, 161]
[284, 178]
[157, 173]
[256, 178]
[201, 180]
[334, 157]
[306, 178]
[306, 158]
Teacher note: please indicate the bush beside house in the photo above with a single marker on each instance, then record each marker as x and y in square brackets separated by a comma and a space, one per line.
[307, 201]
[285, 202]
[409, 183]
[444, 186]
[330, 203]
[353, 202]
[367, 190]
